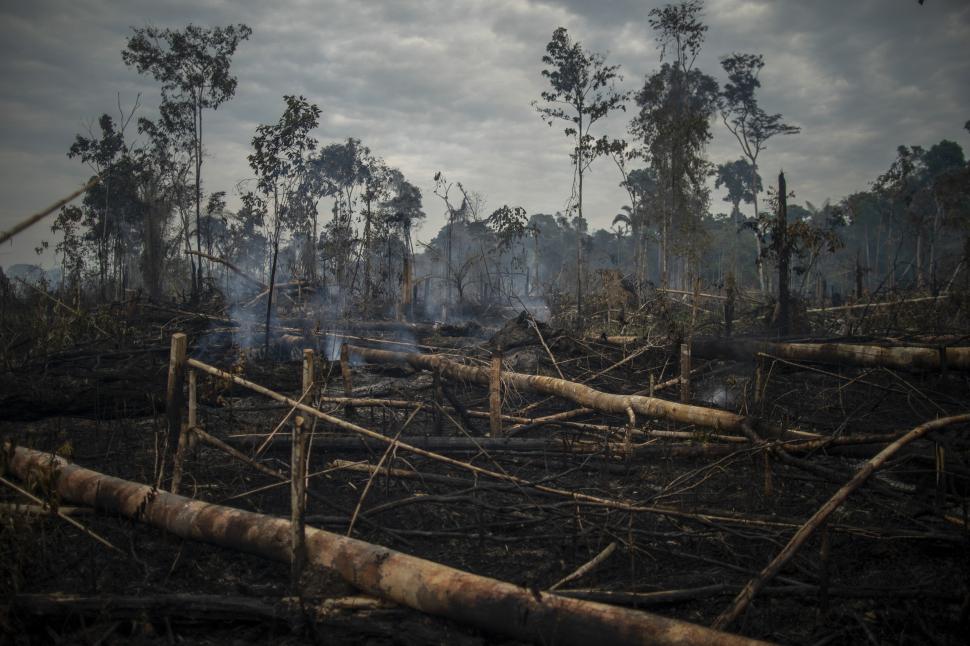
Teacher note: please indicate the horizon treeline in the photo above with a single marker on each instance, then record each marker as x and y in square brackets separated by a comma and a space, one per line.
[337, 221]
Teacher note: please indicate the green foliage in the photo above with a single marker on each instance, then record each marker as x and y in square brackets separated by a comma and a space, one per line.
[582, 92]
[672, 128]
[508, 224]
[192, 64]
[280, 150]
[736, 176]
[742, 115]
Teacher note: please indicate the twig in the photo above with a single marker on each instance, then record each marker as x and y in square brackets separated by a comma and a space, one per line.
[535, 326]
[62, 515]
[741, 602]
[586, 567]
[269, 438]
[37, 217]
[370, 480]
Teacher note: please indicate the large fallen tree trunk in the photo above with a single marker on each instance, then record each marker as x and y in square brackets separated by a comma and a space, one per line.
[869, 356]
[492, 605]
[582, 395]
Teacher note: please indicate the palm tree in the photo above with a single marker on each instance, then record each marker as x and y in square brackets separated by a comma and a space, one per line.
[635, 219]
[621, 227]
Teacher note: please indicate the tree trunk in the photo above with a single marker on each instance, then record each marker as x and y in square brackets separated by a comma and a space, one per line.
[429, 587]
[579, 250]
[920, 279]
[758, 260]
[784, 322]
[367, 287]
[277, 225]
[578, 393]
[911, 358]
[198, 196]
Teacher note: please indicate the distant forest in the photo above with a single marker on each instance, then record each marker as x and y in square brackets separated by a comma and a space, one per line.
[333, 222]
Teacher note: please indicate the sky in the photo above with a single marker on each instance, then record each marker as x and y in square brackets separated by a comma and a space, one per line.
[447, 85]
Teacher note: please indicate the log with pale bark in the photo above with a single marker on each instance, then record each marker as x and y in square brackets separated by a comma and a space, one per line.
[430, 587]
[912, 358]
[584, 395]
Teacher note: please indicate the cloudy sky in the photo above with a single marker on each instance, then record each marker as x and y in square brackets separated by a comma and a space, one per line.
[447, 85]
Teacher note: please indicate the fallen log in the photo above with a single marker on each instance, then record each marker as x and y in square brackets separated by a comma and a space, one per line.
[423, 585]
[578, 393]
[558, 419]
[620, 339]
[866, 306]
[911, 358]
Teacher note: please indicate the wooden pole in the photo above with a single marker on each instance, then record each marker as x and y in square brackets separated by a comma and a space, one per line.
[347, 377]
[193, 400]
[173, 391]
[308, 370]
[759, 376]
[495, 395]
[437, 394]
[685, 372]
[186, 432]
[297, 504]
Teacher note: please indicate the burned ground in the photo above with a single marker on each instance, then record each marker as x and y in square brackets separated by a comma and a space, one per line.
[890, 566]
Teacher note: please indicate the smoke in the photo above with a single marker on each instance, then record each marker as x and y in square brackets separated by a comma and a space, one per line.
[718, 394]
[332, 343]
[250, 322]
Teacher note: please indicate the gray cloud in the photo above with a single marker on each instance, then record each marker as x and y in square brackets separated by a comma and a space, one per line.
[441, 85]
